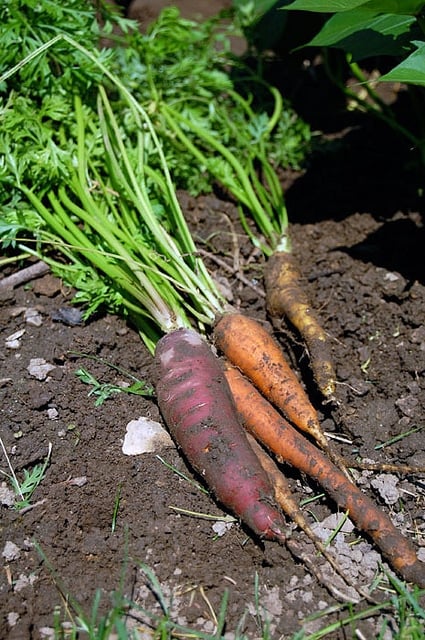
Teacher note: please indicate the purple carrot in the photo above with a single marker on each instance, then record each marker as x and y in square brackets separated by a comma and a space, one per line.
[197, 405]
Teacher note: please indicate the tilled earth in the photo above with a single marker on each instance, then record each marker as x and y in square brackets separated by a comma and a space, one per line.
[99, 517]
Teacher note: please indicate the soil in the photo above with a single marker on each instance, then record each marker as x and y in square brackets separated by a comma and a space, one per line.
[357, 230]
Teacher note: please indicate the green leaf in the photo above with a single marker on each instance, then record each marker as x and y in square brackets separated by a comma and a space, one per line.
[411, 70]
[258, 7]
[364, 34]
[410, 7]
[378, 6]
[325, 6]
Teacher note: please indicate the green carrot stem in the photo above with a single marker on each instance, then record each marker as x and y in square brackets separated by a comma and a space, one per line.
[191, 269]
[160, 283]
[251, 199]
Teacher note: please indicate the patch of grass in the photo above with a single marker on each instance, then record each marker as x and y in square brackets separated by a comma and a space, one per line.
[401, 614]
[25, 488]
[104, 390]
[125, 619]
[402, 621]
[404, 616]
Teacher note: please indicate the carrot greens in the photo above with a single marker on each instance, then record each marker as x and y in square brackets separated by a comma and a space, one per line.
[212, 110]
[224, 123]
[111, 220]
[181, 72]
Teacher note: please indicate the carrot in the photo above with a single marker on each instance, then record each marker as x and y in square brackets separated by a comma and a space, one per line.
[285, 297]
[252, 349]
[289, 506]
[270, 428]
[196, 403]
[247, 344]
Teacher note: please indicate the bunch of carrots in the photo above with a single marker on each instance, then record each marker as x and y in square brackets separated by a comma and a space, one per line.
[106, 219]
[234, 151]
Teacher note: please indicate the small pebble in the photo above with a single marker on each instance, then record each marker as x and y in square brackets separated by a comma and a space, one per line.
[33, 317]
[78, 482]
[7, 495]
[408, 405]
[144, 435]
[14, 341]
[39, 368]
[48, 286]
[12, 618]
[24, 581]
[386, 485]
[220, 527]
[421, 554]
[11, 551]
[67, 315]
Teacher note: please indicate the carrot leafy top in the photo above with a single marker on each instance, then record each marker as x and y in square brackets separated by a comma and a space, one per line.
[106, 221]
[95, 140]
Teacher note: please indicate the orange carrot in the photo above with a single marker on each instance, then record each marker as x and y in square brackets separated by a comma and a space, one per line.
[270, 428]
[285, 297]
[285, 499]
[247, 344]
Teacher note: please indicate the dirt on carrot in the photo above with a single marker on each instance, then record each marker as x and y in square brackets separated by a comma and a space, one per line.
[252, 349]
[285, 297]
[196, 403]
[290, 446]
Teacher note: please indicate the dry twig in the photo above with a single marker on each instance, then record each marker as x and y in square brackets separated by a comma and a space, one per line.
[35, 270]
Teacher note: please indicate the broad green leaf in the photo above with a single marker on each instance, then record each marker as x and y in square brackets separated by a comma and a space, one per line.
[407, 7]
[325, 6]
[377, 6]
[364, 34]
[411, 70]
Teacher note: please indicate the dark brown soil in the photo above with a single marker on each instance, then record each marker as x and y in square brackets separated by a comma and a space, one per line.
[357, 230]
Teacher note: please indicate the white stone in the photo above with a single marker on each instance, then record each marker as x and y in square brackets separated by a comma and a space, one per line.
[14, 340]
[39, 368]
[33, 317]
[220, 527]
[386, 485]
[12, 618]
[145, 436]
[11, 551]
[7, 495]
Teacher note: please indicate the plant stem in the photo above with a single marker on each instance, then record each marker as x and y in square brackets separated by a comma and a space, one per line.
[110, 218]
[241, 188]
[377, 107]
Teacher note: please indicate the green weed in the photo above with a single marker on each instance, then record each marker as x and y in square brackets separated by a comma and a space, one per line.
[402, 613]
[32, 478]
[104, 390]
